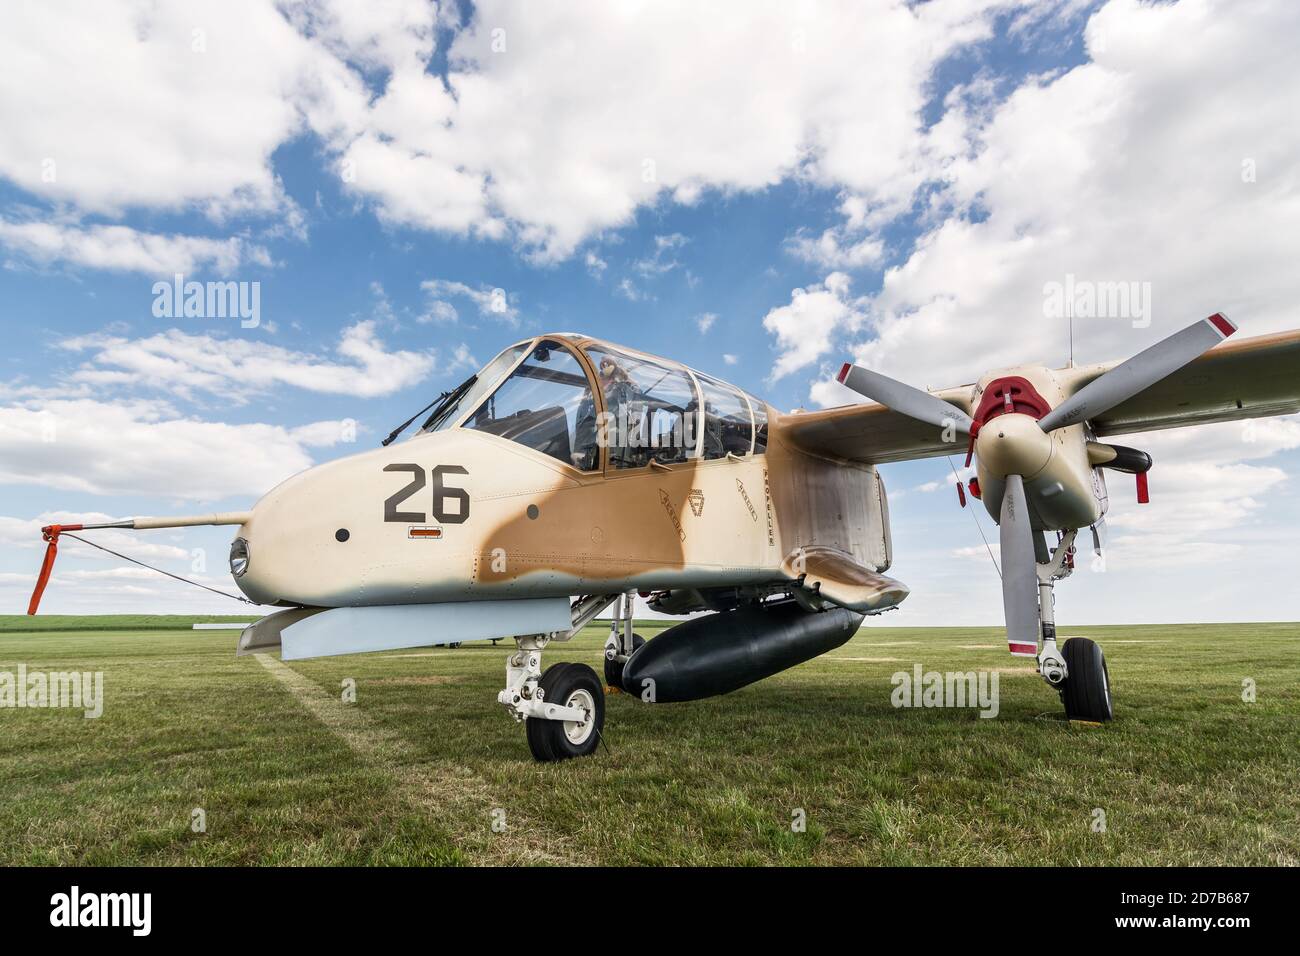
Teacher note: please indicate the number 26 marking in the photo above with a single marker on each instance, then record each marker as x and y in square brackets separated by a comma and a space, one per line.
[441, 495]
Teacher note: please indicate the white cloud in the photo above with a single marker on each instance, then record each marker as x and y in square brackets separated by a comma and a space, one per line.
[231, 368]
[1141, 164]
[705, 321]
[659, 261]
[26, 533]
[439, 310]
[122, 249]
[116, 104]
[628, 290]
[1135, 166]
[145, 448]
[491, 303]
[382, 34]
[1206, 481]
[326, 434]
[547, 129]
[836, 249]
[805, 328]
[596, 266]
[730, 359]
[544, 129]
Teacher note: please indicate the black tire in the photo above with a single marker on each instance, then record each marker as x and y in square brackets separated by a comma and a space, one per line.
[557, 739]
[614, 669]
[1086, 691]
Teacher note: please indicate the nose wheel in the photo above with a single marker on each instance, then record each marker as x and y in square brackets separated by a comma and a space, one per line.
[577, 689]
[1086, 691]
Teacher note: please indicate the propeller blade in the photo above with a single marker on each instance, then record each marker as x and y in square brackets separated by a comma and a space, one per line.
[904, 398]
[1142, 370]
[1019, 573]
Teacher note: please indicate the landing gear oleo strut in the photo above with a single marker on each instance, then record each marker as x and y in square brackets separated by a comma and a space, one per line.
[622, 643]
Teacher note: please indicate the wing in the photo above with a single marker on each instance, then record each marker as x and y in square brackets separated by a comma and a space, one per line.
[874, 434]
[1251, 378]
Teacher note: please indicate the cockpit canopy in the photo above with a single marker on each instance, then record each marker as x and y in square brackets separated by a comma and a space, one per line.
[569, 397]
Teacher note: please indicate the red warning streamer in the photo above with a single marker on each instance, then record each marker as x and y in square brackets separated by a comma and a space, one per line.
[51, 534]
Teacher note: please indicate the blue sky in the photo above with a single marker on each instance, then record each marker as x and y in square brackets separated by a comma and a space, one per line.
[911, 176]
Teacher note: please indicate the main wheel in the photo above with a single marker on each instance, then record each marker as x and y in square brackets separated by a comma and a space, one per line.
[570, 685]
[614, 669]
[1086, 691]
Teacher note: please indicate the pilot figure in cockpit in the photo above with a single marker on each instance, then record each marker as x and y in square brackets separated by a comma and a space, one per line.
[617, 387]
[624, 412]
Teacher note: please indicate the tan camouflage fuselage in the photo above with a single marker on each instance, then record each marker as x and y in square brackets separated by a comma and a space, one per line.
[537, 527]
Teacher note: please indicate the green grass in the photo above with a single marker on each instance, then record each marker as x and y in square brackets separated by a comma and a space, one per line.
[412, 772]
[115, 622]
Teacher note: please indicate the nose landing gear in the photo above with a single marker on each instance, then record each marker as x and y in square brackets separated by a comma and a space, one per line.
[563, 709]
[1078, 669]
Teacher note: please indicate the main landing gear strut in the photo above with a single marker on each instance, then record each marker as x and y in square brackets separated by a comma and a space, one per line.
[621, 643]
[1078, 669]
[563, 708]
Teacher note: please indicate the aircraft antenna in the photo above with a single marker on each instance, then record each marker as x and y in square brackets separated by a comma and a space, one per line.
[1070, 316]
[124, 557]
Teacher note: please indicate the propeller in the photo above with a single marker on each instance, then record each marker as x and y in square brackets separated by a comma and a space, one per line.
[1141, 371]
[1019, 448]
[905, 399]
[1019, 574]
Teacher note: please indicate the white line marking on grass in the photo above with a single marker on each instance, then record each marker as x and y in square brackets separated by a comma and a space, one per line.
[428, 787]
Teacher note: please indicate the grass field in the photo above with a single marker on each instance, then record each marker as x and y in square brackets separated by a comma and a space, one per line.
[417, 770]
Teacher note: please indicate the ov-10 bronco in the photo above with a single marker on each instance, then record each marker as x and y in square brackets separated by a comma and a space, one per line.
[570, 473]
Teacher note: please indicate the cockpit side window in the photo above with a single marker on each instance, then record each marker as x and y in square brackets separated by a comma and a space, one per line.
[547, 405]
[652, 411]
[727, 425]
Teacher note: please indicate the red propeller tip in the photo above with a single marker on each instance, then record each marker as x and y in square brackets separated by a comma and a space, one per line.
[844, 372]
[1222, 323]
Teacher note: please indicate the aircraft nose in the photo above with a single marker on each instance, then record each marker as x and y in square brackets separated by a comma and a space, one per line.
[248, 561]
[1013, 445]
[240, 561]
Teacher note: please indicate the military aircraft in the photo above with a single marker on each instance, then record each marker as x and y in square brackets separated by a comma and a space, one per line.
[570, 473]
